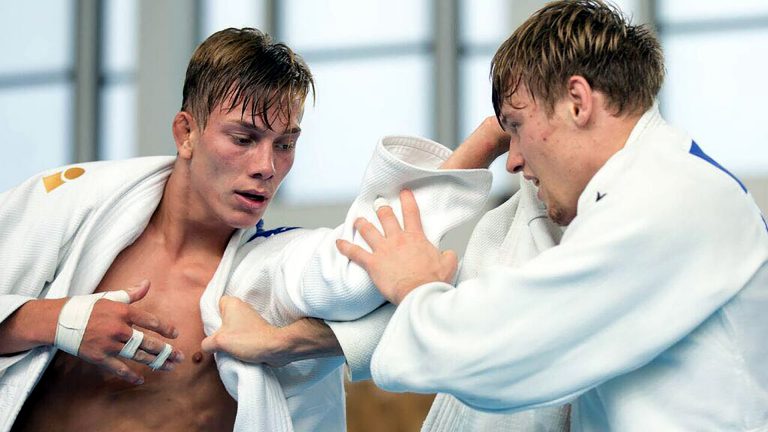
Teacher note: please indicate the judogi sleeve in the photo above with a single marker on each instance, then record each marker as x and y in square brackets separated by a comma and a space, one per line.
[359, 338]
[320, 282]
[32, 236]
[35, 225]
[631, 277]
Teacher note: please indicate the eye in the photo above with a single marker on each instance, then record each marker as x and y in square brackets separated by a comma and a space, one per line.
[241, 140]
[288, 146]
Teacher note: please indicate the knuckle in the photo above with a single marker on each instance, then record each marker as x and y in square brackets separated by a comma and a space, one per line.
[114, 349]
[120, 311]
[151, 345]
[122, 333]
[149, 321]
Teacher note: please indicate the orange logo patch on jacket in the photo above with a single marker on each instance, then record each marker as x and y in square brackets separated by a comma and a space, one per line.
[57, 179]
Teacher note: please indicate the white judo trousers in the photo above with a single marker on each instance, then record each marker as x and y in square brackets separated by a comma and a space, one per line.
[59, 242]
[649, 314]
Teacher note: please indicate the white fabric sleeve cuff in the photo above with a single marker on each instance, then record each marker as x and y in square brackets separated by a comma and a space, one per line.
[359, 338]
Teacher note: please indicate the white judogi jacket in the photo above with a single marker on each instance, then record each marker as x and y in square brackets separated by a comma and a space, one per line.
[59, 235]
[509, 235]
[649, 315]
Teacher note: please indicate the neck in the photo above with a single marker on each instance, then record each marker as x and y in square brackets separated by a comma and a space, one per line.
[181, 226]
[610, 134]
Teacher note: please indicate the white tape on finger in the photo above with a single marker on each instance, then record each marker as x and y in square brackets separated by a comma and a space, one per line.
[120, 296]
[74, 316]
[130, 348]
[157, 363]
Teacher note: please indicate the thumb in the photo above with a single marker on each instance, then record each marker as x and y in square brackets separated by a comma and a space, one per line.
[227, 304]
[138, 291]
[209, 344]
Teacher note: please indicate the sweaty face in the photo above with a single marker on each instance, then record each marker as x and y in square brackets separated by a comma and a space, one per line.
[546, 149]
[237, 163]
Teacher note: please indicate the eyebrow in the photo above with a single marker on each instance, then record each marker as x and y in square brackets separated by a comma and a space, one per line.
[253, 127]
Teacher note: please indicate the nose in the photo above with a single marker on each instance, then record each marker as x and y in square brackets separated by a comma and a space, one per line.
[262, 161]
[515, 161]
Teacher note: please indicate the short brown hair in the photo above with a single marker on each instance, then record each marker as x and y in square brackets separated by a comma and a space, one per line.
[246, 66]
[588, 38]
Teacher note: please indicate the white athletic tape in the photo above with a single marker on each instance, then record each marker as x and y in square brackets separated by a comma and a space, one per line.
[380, 202]
[130, 348]
[74, 317]
[162, 357]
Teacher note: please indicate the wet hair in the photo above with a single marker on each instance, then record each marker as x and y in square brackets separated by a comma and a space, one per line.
[246, 69]
[588, 38]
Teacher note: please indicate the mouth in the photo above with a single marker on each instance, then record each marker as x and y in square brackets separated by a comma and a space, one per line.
[252, 198]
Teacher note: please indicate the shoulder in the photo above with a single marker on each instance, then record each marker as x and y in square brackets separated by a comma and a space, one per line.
[81, 179]
[667, 186]
[76, 189]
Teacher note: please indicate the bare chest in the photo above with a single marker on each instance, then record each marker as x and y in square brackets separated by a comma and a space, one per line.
[192, 387]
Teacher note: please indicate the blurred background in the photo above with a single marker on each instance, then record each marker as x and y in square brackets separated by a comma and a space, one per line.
[84, 80]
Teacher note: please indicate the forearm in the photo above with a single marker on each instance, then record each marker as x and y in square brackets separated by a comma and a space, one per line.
[481, 148]
[473, 153]
[308, 338]
[30, 326]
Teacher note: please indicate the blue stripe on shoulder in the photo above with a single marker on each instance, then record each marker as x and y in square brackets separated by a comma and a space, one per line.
[697, 151]
[261, 232]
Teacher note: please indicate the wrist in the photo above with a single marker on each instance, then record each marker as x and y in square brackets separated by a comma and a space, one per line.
[42, 319]
[32, 325]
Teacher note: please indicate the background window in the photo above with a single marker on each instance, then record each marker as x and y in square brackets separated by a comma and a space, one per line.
[483, 26]
[716, 58]
[117, 95]
[372, 79]
[36, 87]
[217, 15]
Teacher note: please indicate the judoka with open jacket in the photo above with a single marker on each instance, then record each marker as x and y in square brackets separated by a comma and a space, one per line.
[60, 232]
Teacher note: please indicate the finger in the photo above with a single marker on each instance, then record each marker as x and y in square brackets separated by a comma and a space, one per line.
[146, 358]
[149, 321]
[387, 217]
[138, 291]
[154, 346]
[411, 215]
[388, 220]
[234, 310]
[225, 304]
[355, 253]
[369, 232]
[228, 306]
[121, 370]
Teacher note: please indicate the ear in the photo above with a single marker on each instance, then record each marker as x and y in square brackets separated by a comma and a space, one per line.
[185, 133]
[581, 98]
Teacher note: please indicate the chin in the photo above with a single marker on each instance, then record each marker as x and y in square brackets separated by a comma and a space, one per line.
[242, 221]
[559, 215]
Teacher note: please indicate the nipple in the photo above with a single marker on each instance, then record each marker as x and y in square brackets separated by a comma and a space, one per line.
[197, 357]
